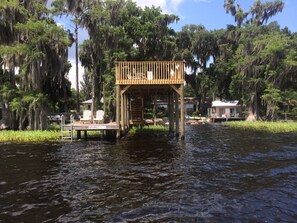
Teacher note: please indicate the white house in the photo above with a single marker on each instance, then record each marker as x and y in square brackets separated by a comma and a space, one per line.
[225, 109]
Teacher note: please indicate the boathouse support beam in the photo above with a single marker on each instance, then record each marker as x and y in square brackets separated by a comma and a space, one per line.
[125, 89]
[171, 110]
[128, 111]
[178, 91]
[155, 110]
[118, 104]
[182, 113]
[122, 114]
[176, 114]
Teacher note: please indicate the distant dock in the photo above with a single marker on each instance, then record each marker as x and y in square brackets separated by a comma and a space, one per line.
[78, 127]
[221, 119]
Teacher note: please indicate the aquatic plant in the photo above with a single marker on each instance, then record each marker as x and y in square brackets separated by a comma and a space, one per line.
[148, 130]
[272, 127]
[29, 136]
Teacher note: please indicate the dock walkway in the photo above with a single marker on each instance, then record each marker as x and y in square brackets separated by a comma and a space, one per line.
[78, 127]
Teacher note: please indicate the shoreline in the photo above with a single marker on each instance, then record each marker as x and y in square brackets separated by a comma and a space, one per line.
[271, 127]
[38, 136]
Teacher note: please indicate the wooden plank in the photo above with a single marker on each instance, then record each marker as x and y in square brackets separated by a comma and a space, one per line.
[90, 127]
[167, 72]
[178, 91]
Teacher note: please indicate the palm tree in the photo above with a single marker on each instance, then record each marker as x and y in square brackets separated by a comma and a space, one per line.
[74, 8]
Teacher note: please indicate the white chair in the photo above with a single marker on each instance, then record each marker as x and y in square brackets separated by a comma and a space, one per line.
[99, 116]
[86, 116]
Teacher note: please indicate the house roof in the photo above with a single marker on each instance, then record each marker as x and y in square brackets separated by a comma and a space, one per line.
[225, 103]
[90, 101]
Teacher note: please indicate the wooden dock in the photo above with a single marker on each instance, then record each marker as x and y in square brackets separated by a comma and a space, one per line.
[221, 119]
[78, 127]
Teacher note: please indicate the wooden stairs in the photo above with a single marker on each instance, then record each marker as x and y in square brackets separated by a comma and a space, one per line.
[137, 117]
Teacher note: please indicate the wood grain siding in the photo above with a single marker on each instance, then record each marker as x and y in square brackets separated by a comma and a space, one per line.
[149, 72]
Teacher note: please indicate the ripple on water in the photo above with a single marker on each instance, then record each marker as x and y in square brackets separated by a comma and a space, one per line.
[216, 175]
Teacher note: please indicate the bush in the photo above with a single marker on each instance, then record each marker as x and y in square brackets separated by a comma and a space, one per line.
[148, 115]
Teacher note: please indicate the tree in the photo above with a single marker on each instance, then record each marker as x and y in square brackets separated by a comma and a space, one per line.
[119, 30]
[266, 62]
[258, 14]
[250, 59]
[75, 9]
[39, 50]
[197, 46]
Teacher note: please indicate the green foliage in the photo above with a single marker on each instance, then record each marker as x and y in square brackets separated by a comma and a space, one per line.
[30, 136]
[148, 115]
[149, 130]
[271, 127]
[119, 30]
[34, 43]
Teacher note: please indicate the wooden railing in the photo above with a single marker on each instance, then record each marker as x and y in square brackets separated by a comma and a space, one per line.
[149, 72]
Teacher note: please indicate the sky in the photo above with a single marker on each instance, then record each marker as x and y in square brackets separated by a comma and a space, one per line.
[210, 13]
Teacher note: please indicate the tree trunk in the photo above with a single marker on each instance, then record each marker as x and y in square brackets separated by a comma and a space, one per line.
[251, 115]
[76, 65]
[93, 96]
[253, 110]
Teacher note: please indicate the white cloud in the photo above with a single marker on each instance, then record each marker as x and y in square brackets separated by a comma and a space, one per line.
[72, 73]
[202, 0]
[167, 6]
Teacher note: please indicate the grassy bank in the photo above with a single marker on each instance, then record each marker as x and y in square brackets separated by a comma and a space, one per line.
[148, 130]
[30, 136]
[272, 127]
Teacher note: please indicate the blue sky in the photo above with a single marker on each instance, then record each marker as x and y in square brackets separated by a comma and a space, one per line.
[212, 14]
[209, 13]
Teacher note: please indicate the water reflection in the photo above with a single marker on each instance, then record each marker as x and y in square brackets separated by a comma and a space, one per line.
[217, 175]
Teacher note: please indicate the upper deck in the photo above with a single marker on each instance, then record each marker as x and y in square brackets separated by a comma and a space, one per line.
[149, 72]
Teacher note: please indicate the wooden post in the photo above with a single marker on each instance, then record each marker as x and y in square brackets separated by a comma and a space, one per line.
[118, 103]
[122, 113]
[182, 113]
[128, 111]
[125, 112]
[171, 118]
[176, 115]
[155, 110]
[78, 134]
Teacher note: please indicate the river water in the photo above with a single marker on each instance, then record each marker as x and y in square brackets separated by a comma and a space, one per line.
[215, 175]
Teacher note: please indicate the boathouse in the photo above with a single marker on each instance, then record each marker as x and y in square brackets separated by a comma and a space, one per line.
[137, 79]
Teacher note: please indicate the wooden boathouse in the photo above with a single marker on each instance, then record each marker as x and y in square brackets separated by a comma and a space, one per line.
[136, 79]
